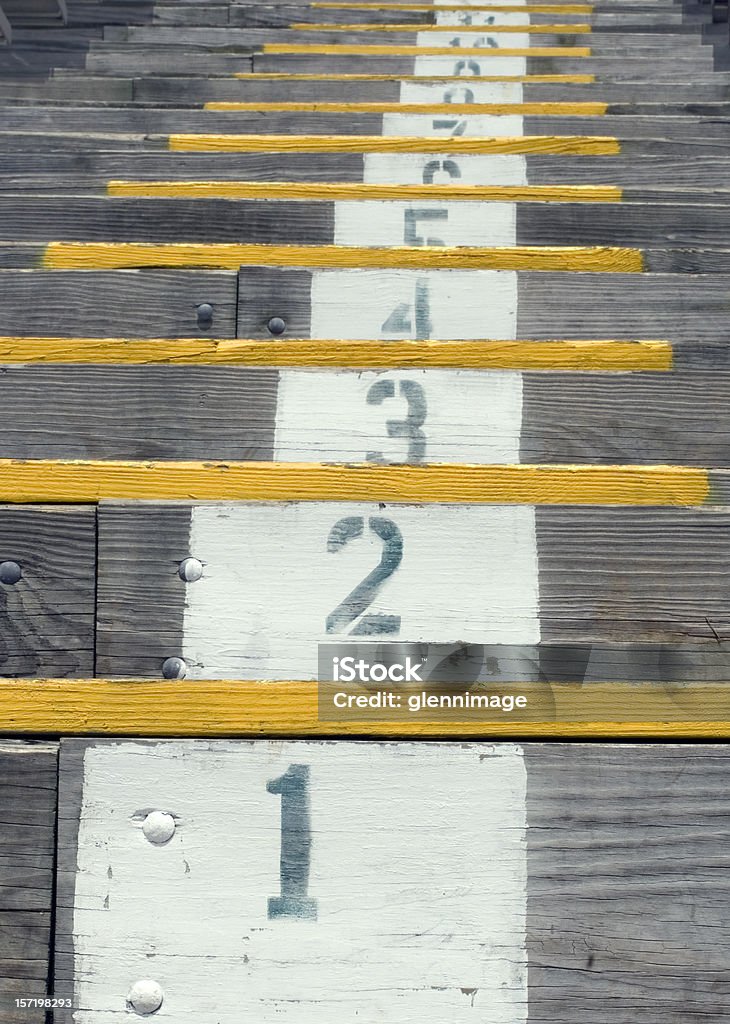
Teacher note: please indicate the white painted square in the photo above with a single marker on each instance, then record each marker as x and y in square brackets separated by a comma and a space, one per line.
[444, 169]
[417, 864]
[481, 38]
[340, 416]
[481, 18]
[456, 92]
[487, 126]
[461, 304]
[466, 572]
[425, 222]
[438, 67]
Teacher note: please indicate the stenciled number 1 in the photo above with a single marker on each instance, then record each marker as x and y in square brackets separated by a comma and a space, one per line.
[296, 842]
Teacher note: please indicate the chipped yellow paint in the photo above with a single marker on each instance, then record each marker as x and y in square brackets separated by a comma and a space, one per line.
[222, 256]
[575, 145]
[82, 480]
[225, 707]
[373, 26]
[622, 356]
[368, 50]
[259, 76]
[579, 109]
[328, 191]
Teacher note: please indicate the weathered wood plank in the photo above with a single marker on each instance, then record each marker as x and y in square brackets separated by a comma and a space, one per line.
[494, 780]
[639, 829]
[156, 303]
[261, 414]
[365, 222]
[544, 586]
[56, 172]
[48, 612]
[28, 787]
[538, 305]
[574, 828]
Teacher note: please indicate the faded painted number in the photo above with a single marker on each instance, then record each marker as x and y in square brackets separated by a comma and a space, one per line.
[358, 600]
[296, 842]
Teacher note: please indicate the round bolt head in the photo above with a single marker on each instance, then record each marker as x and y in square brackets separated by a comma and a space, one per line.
[276, 325]
[145, 997]
[190, 570]
[174, 668]
[158, 827]
[9, 572]
[205, 312]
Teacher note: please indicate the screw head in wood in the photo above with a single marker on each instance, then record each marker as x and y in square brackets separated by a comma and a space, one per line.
[158, 827]
[190, 570]
[174, 668]
[9, 572]
[276, 325]
[145, 997]
[205, 313]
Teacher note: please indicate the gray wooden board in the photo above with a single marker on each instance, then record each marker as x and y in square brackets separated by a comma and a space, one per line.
[6, 29]
[627, 891]
[30, 12]
[108, 90]
[610, 830]
[28, 788]
[46, 627]
[596, 584]
[281, 15]
[91, 143]
[303, 222]
[54, 172]
[170, 90]
[172, 412]
[610, 67]
[228, 39]
[679, 308]
[137, 121]
[153, 303]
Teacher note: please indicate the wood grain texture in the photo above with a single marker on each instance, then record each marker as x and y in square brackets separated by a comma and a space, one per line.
[280, 224]
[125, 255]
[333, 354]
[82, 480]
[680, 308]
[156, 302]
[292, 708]
[47, 623]
[610, 830]
[119, 782]
[28, 788]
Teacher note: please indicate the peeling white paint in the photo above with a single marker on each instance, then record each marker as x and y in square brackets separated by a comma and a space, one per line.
[418, 866]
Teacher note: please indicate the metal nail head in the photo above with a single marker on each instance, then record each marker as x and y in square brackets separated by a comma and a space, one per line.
[276, 325]
[145, 997]
[158, 827]
[174, 668]
[9, 572]
[205, 313]
[190, 570]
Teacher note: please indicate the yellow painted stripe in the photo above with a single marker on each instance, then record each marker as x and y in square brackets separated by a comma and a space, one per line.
[80, 480]
[581, 109]
[344, 77]
[574, 145]
[304, 26]
[526, 8]
[225, 707]
[622, 356]
[316, 190]
[367, 50]
[119, 255]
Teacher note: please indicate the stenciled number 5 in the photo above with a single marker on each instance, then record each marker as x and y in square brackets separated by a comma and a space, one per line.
[362, 596]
